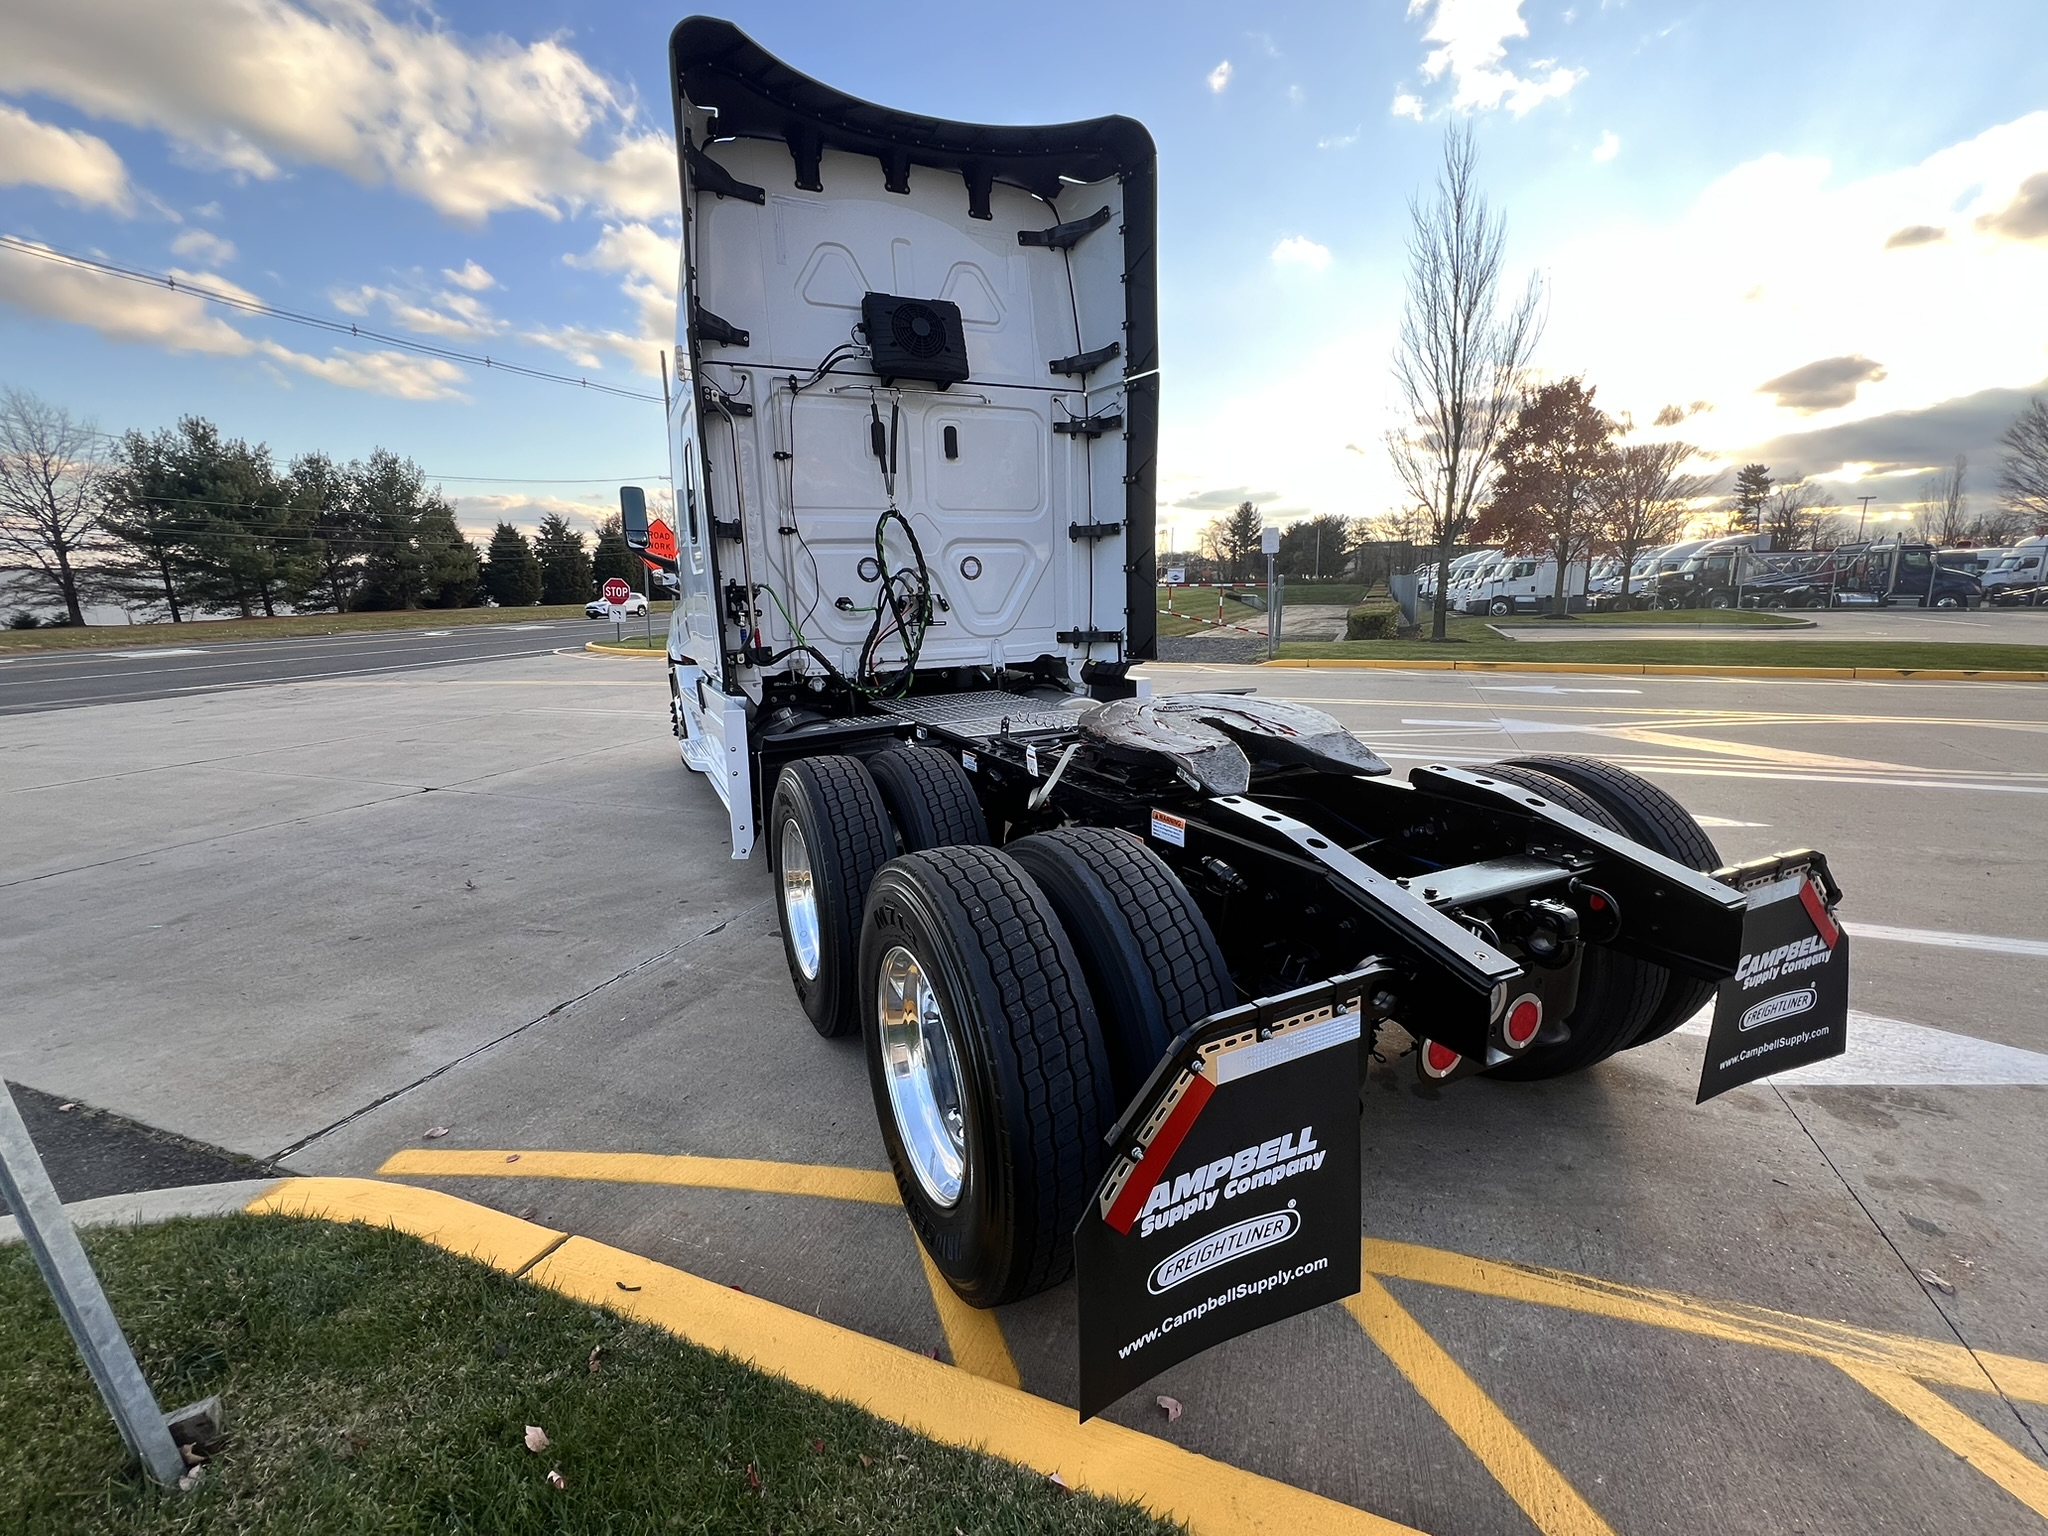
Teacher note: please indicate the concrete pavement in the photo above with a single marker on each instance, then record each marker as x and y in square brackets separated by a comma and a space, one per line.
[324, 917]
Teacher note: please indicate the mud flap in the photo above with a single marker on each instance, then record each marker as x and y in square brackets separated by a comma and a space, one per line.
[1232, 1196]
[1788, 1002]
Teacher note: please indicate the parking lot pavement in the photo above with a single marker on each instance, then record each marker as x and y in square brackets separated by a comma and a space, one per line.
[1998, 626]
[1596, 1306]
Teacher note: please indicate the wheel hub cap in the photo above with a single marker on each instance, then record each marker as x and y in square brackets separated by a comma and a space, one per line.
[799, 900]
[923, 1076]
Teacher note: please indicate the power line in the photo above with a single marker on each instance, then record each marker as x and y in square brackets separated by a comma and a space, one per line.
[530, 480]
[336, 327]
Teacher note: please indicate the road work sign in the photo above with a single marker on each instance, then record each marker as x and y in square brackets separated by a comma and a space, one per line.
[1231, 1199]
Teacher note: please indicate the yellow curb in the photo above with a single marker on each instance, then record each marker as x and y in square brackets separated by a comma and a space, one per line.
[939, 1401]
[1668, 669]
[624, 650]
[873, 1186]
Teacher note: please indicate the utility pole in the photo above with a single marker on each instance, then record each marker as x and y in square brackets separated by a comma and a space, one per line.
[1860, 516]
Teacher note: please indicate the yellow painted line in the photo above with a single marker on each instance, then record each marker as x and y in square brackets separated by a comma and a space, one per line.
[2024, 1479]
[1926, 1359]
[923, 1395]
[868, 1185]
[1552, 1504]
[625, 650]
[1666, 669]
[474, 1231]
[973, 1335]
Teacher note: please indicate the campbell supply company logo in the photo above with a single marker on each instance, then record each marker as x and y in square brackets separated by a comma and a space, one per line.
[1232, 1242]
[1785, 1005]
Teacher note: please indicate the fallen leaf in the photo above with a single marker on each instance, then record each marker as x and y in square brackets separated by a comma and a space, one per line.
[524, 1213]
[817, 1447]
[556, 1479]
[1931, 1278]
[192, 1457]
[932, 1353]
[469, 885]
[591, 1365]
[865, 1459]
[625, 1287]
[1060, 1483]
[191, 1479]
[1172, 1407]
[536, 1438]
[740, 1288]
[512, 1157]
[753, 1478]
[66, 1108]
[433, 1133]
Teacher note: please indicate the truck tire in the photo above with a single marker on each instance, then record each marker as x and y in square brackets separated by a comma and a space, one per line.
[827, 835]
[1656, 821]
[1500, 607]
[987, 1068]
[931, 800]
[1152, 964]
[1618, 994]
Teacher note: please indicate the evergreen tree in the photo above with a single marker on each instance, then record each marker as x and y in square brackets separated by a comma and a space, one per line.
[512, 576]
[1752, 489]
[612, 556]
[326, 569]
[564, 562]
[451, 571]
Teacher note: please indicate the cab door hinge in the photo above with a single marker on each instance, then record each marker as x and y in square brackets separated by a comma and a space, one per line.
[1090, 637]
[1079, 531]
[1064, 237]
[1081, 364]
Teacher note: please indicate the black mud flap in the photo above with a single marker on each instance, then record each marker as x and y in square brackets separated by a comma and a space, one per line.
[1231, 1199]
[1788, 1002]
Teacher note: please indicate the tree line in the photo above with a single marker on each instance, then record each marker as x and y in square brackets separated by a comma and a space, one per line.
[188, 521]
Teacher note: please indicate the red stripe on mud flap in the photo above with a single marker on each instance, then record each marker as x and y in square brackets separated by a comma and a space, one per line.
[1817, 909]
[1139, 1185]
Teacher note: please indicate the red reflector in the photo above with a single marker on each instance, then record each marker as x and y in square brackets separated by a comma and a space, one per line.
[1596, 904]
[1524, 1019]
[1439, 1058]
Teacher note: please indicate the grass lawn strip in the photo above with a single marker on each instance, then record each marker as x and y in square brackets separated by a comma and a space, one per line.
[375, 1383]
[1481, 645]
[133, 637]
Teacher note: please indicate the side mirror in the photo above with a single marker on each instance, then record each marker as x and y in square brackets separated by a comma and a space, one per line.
[633, 515]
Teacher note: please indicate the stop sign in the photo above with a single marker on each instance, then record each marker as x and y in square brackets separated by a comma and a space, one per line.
[616, 591]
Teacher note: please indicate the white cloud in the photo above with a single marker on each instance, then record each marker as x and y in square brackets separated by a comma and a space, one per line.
[86, 169]
[182, 322]
[1219, 77]
[204, 245]
[454, 314]
[1340, 140]
[472, 277]
[1679, 311]
[1407, 105]
[1300, 251]
[1471, 38]
[648, 258]
[251, 86]
[1608, 147]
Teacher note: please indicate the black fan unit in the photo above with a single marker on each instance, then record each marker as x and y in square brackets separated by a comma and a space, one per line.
[915, 339]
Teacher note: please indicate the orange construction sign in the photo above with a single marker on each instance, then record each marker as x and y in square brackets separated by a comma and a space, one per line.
[661, 540]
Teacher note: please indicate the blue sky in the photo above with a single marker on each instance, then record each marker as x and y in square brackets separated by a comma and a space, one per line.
[1715, 194]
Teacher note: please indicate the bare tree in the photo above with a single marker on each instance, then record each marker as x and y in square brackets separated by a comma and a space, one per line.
[1460, 357]
[2023, 476]
[1794, 513]
[50, 498]
[1648, 500]
[1945, 506]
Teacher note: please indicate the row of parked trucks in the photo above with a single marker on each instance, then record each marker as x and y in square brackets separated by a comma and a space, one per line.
[1742, 571]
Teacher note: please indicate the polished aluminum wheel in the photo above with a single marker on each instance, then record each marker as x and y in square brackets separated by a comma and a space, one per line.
[923, 1074]
[799, 900]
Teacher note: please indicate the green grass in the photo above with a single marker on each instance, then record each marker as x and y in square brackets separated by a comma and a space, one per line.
[130, 637]
[375, 1384]
[1202, 605]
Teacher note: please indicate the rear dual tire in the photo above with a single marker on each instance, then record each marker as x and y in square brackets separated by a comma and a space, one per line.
[987, 1066]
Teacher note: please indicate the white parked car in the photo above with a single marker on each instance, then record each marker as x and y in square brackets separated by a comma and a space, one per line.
[598, 608]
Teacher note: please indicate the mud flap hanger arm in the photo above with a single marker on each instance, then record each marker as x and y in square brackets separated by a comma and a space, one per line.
[1672, 915]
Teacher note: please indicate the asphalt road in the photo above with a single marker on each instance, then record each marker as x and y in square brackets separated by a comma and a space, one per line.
[317, 920]
[68, 679]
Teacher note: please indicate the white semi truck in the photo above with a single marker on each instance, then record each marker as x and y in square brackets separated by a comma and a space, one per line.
[913, 437]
